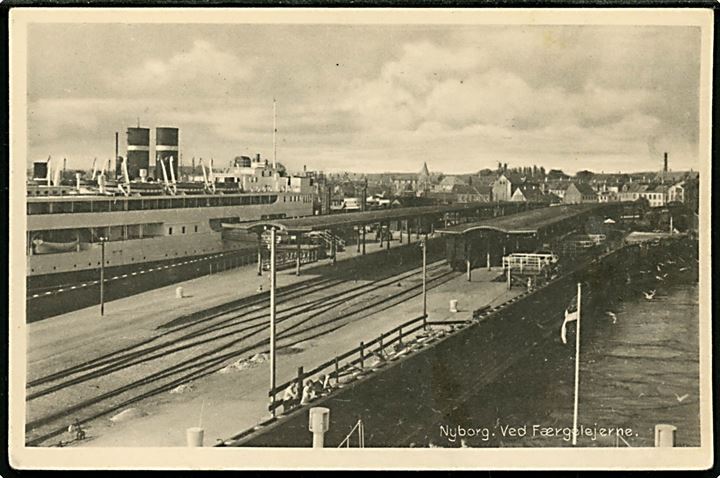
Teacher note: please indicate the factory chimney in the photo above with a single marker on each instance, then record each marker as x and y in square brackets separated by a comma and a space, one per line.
[665, 164]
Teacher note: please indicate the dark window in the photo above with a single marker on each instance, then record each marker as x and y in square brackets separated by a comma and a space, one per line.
[170, 231]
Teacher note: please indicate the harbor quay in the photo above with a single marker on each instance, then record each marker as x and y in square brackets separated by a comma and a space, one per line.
[235, 399]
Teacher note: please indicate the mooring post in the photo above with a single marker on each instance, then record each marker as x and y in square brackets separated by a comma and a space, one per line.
[362, 355]
[194, 436]
[665, 435]
[319, 424]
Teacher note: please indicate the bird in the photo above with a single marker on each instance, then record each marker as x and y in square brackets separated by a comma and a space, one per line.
[680, 399]
[611, 314]
[683, 269]
[657, 266]
[659, 278]
[650, 295]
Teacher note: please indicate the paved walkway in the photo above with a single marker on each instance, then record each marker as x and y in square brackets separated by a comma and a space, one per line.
[225, 404]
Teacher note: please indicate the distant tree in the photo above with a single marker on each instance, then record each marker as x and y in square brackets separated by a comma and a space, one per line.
[542, 172]
[485, 172]
[584, 176]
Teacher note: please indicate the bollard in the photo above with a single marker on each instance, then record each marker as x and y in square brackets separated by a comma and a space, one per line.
[665, 435]
[453, 305]
[179, 293]
[319, 424]
[194, 436]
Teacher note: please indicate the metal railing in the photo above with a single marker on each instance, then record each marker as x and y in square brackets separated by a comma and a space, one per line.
[347, 362]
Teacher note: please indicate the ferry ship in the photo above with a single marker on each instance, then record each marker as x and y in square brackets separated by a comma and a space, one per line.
[141, 220]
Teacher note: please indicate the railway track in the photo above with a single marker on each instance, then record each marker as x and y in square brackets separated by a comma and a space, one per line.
[213, 341]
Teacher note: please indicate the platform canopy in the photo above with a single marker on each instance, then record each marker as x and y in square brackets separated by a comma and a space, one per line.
[528, 222]
[332, 221]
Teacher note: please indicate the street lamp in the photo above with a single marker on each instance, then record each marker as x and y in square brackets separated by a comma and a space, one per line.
[272, 316]
[423, 245]
[103, 240]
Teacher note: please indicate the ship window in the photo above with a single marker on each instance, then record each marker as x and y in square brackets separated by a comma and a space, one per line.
[135, 205]
[170, 231]
[176, 203]
[83, 206]
[62, 207]
[38, 208]
[196, 228]
[183, 229]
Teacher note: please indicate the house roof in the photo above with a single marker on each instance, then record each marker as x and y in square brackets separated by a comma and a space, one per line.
[452, 181]
[635, 187]
[585, 189]
[514, 178]
[532, 194]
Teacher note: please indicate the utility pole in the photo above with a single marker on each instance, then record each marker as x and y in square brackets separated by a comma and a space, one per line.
[272, 316]
[424, 281]
[102, 276]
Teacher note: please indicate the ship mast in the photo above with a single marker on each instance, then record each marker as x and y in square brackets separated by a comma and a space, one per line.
[274, 134]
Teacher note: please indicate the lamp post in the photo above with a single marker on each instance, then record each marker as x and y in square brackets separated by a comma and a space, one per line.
[272, 316]
[423, 244]
[102, 275]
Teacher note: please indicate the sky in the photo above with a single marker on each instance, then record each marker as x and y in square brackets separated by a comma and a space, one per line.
[372, 98]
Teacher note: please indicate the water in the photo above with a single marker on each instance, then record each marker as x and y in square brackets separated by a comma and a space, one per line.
[637, 372]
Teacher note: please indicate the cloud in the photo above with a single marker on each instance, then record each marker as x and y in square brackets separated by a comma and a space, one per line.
[203, 70]
[380, 98]
[476, 96]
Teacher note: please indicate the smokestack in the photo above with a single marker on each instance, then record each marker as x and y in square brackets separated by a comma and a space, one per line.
[665, 164]
[504, 167]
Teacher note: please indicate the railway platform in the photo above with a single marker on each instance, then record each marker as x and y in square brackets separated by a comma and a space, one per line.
[225, 404]
[82, 334]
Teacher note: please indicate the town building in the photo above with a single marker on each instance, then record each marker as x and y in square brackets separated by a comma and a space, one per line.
[578, 193]
[505, 185]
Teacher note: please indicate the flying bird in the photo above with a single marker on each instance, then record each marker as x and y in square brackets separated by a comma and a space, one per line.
[650, 295]
[612, 315]
[659, 278]
[683, 269]
[680, 399]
